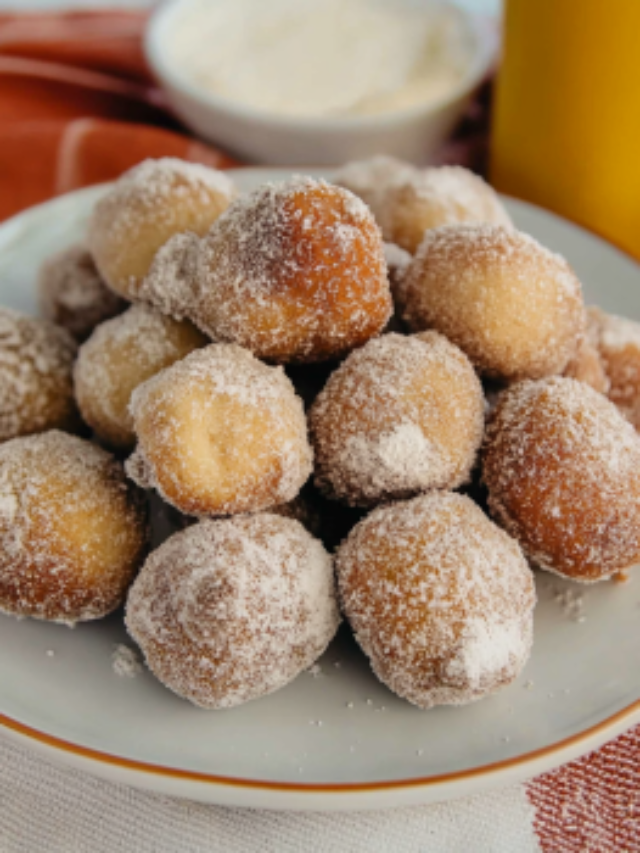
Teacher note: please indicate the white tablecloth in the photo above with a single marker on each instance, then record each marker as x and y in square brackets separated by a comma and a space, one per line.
[56, 810]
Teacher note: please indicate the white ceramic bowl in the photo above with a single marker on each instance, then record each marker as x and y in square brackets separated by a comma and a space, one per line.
[261, 137]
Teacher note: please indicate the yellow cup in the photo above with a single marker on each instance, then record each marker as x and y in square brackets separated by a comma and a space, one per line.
[566, 128]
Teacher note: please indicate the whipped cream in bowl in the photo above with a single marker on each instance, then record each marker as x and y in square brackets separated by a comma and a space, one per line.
[304, 81]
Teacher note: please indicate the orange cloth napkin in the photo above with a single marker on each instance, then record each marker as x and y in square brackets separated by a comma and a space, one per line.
[78, 105]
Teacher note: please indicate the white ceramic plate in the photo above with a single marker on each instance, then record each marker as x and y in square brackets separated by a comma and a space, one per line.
[336, 739]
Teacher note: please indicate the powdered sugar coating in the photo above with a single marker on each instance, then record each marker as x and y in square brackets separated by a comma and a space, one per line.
[440, 599]
[429, 198]
[401, 415]
[617, 340]
[515, 308]
[72, 529]
[219, 433]
[121, 354]
[72, 294]
[372, 179]
[231, 610]
[563, 471]
[294, 272]
[36, 390]
[587, 365]
[145, 207]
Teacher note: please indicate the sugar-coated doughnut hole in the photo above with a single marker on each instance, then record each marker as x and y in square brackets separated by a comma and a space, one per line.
[144, 208]
[401, 415]
[36, 388]
[438, 196]
[73, 530]
[398, 262]
[586, 364]
[230, 610]
[121, 354]
[618, 345]
[373, 178]
[440, 599]
[515, 308]
[294, 272]
[563, 471]
[73, 295]
[220, 433]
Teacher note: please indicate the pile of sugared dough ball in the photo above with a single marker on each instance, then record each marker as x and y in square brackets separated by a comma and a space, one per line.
[383, 341]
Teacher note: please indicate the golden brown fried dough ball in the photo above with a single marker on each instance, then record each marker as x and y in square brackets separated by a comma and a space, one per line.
[373, 178]
[144, 208]
[220, 433]
[586, 364]
[36, 388]
[618, 344]
[230, 610]
[120, 355]
[430, 198]
[293, 272]
[73, 295]
[400, 416]
[515, 308]
[398, 262]
[563, 471]
[440, 599]
[73, 530]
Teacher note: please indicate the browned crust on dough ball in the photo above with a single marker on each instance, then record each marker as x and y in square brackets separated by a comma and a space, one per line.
[563, 471]
[36, 387]
[514, 308]
[440, 599]
[227, 611]
[293, 272]
[400, 416]
[73, 530]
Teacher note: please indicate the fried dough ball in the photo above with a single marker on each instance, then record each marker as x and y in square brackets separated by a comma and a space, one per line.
[586, 366]
[563, 471]
[447, 195]
[145, 207]
[400, 416]
[398, 262]
[440, 599]
[36, 388]
[294, 272]
[120, 355]
[72, 294]
[618, 344]
[73, 530]
[373, 178]
[515, 308]
[230, 610]
[220, 433]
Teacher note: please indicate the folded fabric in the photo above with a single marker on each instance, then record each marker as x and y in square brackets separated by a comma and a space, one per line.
[77, 106]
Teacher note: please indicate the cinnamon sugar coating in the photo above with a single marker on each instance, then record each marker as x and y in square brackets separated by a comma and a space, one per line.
[73, 530]
[220, 433]
[400, 416]
[120, 355]
[293, 272]
[447, 195]
[617, 340]
[563, 471]
[36, 388]
[513, 307]
[440, 599]
[230, 610]
[144, 208]
[73, 295]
